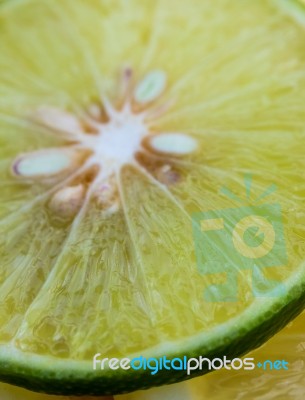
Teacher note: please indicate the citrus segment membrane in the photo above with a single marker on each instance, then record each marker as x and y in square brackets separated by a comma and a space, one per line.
[108, 151]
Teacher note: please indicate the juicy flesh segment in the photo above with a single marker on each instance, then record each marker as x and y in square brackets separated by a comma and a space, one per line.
[118, 120]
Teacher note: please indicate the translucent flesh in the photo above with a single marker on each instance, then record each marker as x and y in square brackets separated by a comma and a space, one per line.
[287, 344]
[123, 282]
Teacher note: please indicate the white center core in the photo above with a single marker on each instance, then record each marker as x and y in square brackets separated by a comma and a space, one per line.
[113, 143]
[117, 141]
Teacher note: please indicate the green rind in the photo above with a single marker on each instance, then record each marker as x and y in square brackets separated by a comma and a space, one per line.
[232, 340]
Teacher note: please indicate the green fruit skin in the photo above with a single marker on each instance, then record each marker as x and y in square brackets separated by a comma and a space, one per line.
[232, 343]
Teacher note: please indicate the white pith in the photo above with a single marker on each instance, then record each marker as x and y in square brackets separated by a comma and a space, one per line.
[117, 141]
[111, 144]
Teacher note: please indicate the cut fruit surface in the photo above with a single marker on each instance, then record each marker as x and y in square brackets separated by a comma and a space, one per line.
[121, 135]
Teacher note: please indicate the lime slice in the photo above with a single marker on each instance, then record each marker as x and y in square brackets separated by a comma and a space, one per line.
[152, 199]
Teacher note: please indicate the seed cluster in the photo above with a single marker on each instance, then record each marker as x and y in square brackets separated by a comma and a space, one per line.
[101, 140]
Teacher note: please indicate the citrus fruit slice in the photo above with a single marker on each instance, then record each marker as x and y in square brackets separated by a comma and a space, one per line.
[141, 145]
